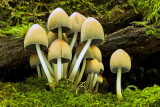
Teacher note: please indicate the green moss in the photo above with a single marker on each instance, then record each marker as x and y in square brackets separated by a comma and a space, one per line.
[153, 32]
[33, 93]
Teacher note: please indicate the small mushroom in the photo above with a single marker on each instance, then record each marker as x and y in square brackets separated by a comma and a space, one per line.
[120, 62]
[99, 81]
[34, 63]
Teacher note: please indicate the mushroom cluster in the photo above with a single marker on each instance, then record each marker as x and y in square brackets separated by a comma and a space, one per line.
[68, 50]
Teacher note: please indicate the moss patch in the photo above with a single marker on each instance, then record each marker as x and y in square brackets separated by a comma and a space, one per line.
[32, 92]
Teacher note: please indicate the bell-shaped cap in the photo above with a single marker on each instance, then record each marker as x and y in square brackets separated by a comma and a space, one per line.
[51, 37]
[101, 68]
[36, 35]
[88, 55]
[59, 48]
[92, 66]
[99, 79]
[96, 52]
[92, 29]
[34, 60]
[120, 59]
[77, 20]
[59, 18]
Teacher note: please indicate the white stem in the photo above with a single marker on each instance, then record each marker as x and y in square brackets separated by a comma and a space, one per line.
[91, 82]
[48, 64]
[60, 33]
[38, 71]
[118, 84]
[62, 71]
[76, 66]
[58, 69]
[77, 74]
[49, 77]
[97, 85]
[81, 73]
[88, 79]
[43, 73]
[72, 64]
[94, 80]
[73, 40]
[65, 69]
[55, 70]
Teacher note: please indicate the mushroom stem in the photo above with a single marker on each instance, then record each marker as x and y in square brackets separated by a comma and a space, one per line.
[97, 85]
[73, 40]
[62, 71]
[65, 69]
[49, 77]
[38, 71]
[60, 33]
[72, 64]
[118, 84]
[43, 73]
[48, 64]
[94, 80]
[91, 81]
[80, 57]
[88, 79]
[58, 69]
[81, 74]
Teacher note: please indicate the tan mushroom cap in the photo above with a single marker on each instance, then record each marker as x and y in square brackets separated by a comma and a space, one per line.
[92, 29]
[96, 52]
[77, 20]
[92, 66]
[59, 48]
[59, 18]
[51, 37]
[101, 68]
[99, 79]
[120, 59]
[36, 35]
[34, 60]
[88, 55]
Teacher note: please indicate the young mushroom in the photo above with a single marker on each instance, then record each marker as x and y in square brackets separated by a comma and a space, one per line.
[34, 63]
[120, 63]
[59, 52]
[59, 22]
[99, 81]
[36, 39]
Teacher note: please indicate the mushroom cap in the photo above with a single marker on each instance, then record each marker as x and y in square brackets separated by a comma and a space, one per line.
[92, 66]
[59, 18]
[101, 68]
[120, 59]
[34, 60]
[99, 79]
[59, 48]
[36, 35]
[51, 37]
[88, 55]
[96, 52]
[77, 20]
[92, 29]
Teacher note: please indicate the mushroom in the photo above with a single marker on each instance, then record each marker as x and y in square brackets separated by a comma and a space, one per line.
[77, 20]
[120, 63]
[91, 33]
[59, 52]
[92, 67]
[99, 81]
[34, 63]
[36, 39]
[96, 53]
[59, 22]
